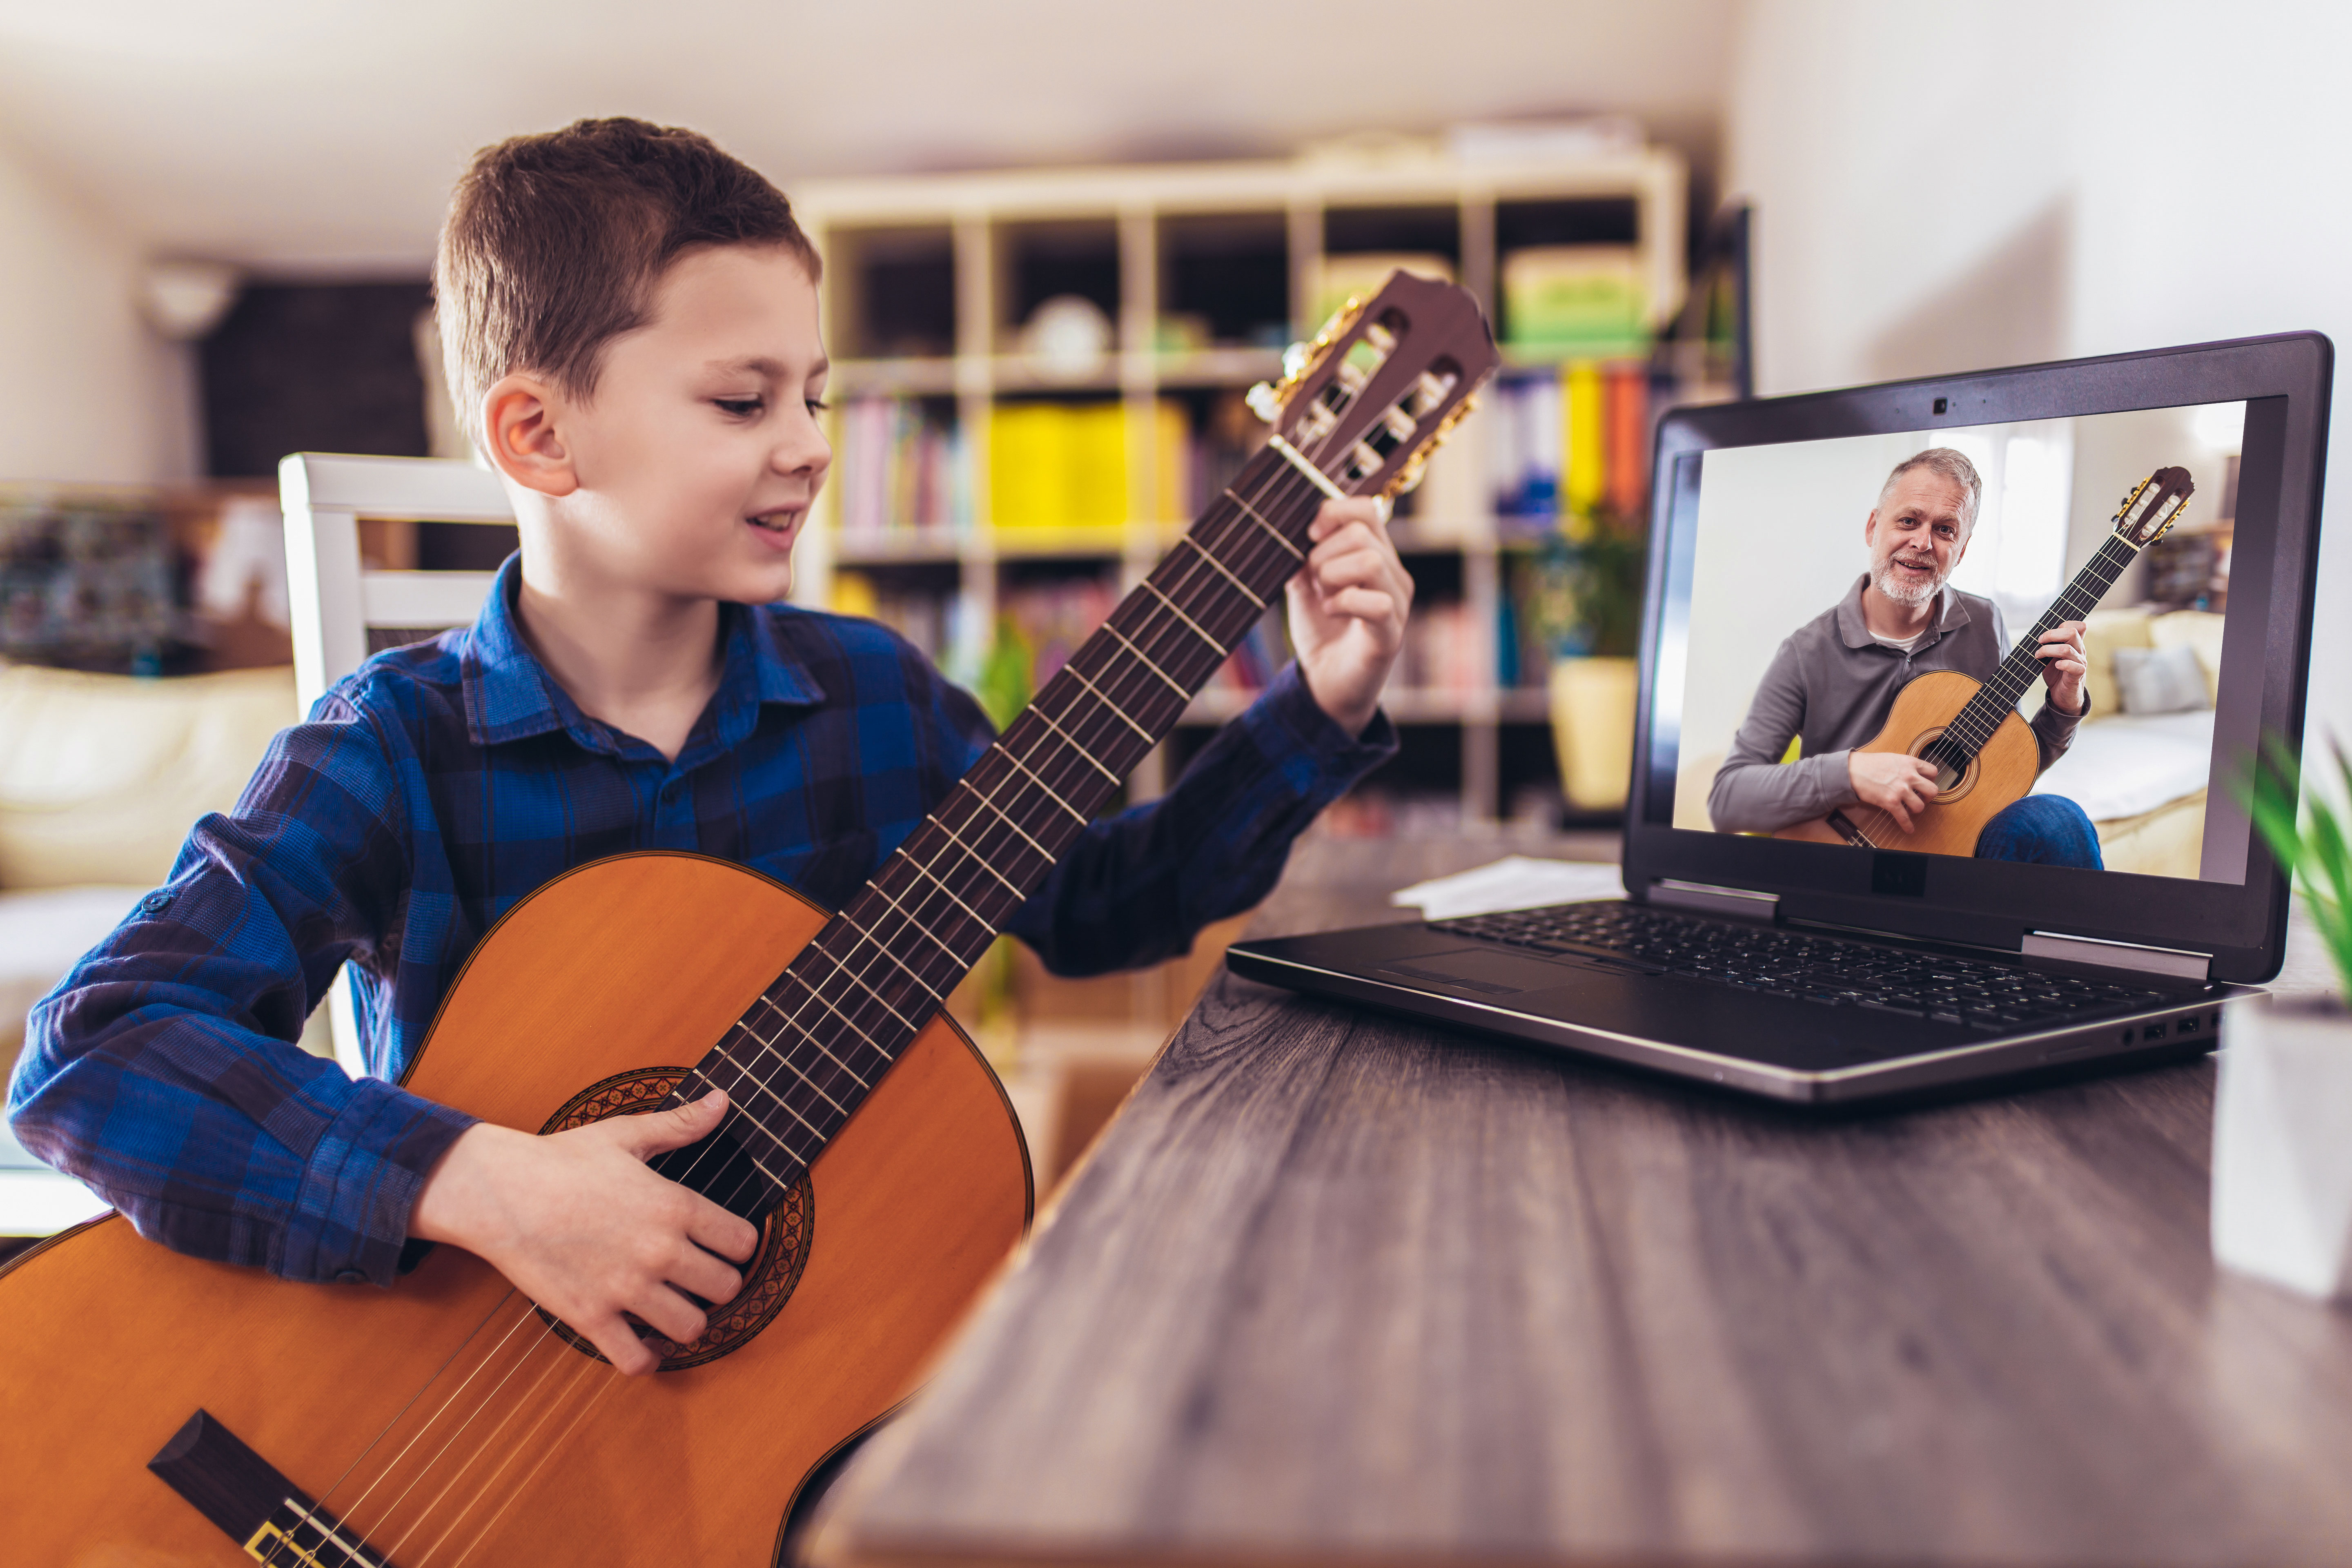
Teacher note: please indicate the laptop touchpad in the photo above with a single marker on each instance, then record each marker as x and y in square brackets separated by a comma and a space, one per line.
[1484, 969]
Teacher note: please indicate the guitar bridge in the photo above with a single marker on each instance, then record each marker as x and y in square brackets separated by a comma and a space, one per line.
[274, 1521]
[1844, 827]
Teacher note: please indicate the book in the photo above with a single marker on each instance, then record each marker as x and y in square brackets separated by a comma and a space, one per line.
[1063, 466]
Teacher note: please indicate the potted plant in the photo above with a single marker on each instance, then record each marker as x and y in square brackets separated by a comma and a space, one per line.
[2283, 1107]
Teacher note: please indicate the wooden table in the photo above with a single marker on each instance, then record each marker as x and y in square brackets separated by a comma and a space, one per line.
[1336, 1288]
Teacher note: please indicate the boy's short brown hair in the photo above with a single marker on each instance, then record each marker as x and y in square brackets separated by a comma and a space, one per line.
[554, 244]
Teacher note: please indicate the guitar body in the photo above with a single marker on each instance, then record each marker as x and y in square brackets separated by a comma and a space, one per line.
[2001, 772]
[627, 964]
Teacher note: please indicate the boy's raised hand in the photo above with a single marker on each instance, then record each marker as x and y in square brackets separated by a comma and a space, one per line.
[1347, 606]
[576, 1222]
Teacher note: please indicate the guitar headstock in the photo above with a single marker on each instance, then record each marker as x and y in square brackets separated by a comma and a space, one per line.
[2153, 507]
[1382, 383]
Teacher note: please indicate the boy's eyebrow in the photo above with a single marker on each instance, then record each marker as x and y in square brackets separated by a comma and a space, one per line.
[760, 364]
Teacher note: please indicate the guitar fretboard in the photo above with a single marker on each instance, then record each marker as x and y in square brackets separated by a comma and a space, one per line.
[799, 1061]
[1999, 696]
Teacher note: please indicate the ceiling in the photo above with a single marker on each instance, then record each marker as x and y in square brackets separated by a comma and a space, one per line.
[321, 136]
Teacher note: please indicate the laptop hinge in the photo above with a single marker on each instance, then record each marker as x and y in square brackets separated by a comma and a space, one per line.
[1707, 898]
[2179, 962]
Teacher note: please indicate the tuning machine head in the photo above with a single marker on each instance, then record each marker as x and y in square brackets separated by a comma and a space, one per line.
[1299, 362]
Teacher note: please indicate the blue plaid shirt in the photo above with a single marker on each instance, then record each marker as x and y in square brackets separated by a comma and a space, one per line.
[440, 784]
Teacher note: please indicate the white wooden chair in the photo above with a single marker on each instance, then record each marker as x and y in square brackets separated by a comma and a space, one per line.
[340, 614]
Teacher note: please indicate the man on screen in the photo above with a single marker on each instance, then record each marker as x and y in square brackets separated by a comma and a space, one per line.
[1834, 679]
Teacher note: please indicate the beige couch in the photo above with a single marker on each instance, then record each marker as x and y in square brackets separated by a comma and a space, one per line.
[100, 778]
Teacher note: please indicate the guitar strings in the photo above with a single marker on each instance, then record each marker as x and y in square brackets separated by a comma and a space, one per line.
[1019, 800]
[1157, 628]
[1168, 621]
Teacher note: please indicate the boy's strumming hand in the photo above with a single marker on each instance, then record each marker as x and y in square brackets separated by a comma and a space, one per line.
[1347, 606]
[576, 1222]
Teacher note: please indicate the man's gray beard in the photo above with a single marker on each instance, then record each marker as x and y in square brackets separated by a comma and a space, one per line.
[1895, 587]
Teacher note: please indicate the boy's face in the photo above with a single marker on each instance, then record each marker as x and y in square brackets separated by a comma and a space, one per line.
[700, 454]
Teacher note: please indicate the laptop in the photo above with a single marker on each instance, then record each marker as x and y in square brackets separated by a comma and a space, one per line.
[1780, 941]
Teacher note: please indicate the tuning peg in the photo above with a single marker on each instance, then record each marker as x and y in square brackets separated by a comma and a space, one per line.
[1264, 402]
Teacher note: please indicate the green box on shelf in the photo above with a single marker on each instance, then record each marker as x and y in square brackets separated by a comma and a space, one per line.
[1579, 302]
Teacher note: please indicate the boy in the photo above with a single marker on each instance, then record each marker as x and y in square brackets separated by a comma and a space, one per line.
[630, 321]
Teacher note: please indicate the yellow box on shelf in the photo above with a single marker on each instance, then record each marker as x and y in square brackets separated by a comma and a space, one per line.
[1584, 302]
[1063, 468]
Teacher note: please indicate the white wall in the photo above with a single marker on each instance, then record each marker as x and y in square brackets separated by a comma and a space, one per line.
[87, 391]
[1945, 187]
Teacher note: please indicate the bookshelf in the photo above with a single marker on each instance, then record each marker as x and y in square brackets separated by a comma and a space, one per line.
[1191, 278]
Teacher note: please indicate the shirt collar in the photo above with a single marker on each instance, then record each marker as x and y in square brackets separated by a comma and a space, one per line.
[1853, 630]
[509, 696]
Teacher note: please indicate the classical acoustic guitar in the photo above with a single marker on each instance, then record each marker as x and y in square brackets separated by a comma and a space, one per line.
[155, 1409]
[1984, 753]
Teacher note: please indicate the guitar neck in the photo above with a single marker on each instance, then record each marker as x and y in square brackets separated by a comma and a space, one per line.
[1999, 696]
[805, 1054]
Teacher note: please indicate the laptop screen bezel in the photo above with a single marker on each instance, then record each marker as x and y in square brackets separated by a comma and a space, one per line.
[1992, 903]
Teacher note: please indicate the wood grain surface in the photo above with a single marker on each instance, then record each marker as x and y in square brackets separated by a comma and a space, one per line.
[1336, 1286]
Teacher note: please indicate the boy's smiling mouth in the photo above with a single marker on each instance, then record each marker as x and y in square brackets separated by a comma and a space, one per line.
[781, 521]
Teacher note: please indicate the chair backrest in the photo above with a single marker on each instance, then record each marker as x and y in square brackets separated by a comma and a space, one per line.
[340, 612]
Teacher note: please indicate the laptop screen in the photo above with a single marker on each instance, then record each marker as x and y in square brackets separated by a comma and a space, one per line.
[1829, 574]
[1835, 699]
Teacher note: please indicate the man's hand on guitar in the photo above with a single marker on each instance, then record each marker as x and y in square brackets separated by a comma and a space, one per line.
[1893, 782]
[1347, 606]
[576, 1222]
[2064, 664]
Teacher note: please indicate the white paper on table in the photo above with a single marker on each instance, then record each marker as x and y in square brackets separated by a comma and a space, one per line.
[1514, 883]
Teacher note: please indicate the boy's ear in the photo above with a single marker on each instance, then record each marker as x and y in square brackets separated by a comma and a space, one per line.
[520, 416]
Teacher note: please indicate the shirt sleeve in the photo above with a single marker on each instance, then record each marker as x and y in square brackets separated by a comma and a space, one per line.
[1137, 886]
[1754, 791]
[162, 1071]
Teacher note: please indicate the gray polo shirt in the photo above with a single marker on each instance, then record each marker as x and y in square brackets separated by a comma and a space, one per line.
[1832, 683]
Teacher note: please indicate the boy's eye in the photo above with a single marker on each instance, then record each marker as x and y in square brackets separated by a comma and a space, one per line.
[741, 408]
[816, 405]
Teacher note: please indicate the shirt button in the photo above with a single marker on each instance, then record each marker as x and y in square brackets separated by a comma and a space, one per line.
[669, 790]
[351, 1277]
[156, 903]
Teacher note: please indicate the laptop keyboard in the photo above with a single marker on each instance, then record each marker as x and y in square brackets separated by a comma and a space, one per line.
[1826, 971]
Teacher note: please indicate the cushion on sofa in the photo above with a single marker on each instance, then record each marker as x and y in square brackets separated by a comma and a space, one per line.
[2199, 631]
[103, 775]
[2103, 631]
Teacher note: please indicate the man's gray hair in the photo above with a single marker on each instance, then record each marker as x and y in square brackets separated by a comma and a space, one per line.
[1946, 464]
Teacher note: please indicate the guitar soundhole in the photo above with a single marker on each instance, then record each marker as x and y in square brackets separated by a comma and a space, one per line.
[769, 1278]
[1949, 786]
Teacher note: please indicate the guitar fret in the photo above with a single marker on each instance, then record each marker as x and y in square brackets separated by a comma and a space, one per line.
[792, 1022]
[825, 1003]
[1016, 827]
[976, 916]
[1173, 684]
[883, 950]
[919, 926]
[1080, 818]
[778, 1138]
[840, 966]
[780, 1098]
[985, 864]
[1222, 651]
[1115, 780]
[1149, 739]
[1210, 556]
[1272, 532]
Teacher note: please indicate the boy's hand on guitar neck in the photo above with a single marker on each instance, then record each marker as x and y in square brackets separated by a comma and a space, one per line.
[576, 1222]
[1347, 606]
[1895, 782]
